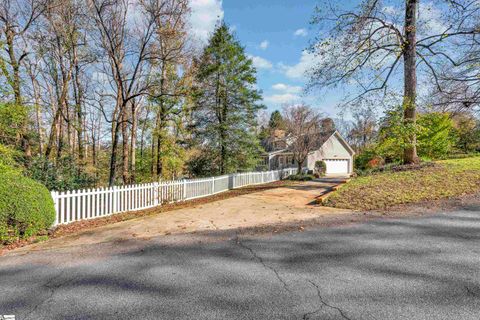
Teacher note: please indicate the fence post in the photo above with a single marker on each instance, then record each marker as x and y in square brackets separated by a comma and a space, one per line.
[114, 209]
[55, 203]
[184, 189]
[155, 193]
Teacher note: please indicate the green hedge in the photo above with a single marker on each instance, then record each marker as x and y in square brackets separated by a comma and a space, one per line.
[301, 177]
[26, 207]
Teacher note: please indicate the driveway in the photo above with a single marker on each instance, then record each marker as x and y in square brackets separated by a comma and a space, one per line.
[276, 206]
[415, 268]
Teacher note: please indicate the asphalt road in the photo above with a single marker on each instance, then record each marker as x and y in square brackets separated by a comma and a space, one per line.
[416, 268]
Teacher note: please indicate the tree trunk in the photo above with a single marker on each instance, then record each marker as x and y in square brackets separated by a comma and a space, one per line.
[38, 117]
[78, 92]
[152, 166]
[125, 152]
[15, 83]
[299, 168]
[133, 143]
[410, 79]
[159, 156]
[223, 153]
[113, 154]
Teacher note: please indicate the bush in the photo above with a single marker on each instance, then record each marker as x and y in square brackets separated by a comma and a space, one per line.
[9, 159]
[301, 177]
[26, 207]
[375, 162]
[65, 174]
[320, 168]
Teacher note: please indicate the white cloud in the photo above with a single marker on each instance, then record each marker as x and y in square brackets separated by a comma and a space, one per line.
[264, 45]
[204, 17]
[287, 88]
[301, 33]
[430, 19]
[390, 10]
[297, 71]
[282, 98]
[261, 63]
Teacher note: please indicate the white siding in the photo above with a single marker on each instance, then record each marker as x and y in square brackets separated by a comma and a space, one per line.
[333, 148]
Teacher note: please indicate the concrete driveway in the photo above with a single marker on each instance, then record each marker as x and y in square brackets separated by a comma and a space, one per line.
[276, 206]
[415, 268]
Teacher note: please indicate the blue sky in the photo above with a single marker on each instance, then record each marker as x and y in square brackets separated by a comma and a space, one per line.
[275, 34]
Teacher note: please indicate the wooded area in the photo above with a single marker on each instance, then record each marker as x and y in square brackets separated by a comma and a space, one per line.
[106, 91]
[378, 45]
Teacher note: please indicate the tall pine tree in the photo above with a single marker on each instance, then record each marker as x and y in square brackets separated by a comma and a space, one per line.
[226, 103]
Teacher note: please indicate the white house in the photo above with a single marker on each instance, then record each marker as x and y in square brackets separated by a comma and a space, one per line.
[331, 148]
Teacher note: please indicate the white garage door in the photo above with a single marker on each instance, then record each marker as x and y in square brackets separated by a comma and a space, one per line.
[337, 166]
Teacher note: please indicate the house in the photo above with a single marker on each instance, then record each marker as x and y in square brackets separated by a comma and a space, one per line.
[330, 147]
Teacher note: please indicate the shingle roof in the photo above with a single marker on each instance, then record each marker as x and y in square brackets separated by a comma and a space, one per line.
[320, 138]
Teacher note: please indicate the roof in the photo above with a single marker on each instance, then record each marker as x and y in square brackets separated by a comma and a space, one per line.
[320, 139]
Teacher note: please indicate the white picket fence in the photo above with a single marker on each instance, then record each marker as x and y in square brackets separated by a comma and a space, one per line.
[87, 204]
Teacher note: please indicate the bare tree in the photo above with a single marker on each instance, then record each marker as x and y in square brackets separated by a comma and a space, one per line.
[171, 52]
[367, 46]
[363, 129]
[303, 127]
[126, 43]
[16, 18]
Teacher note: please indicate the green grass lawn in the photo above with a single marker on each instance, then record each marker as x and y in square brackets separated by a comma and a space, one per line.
[448, 178]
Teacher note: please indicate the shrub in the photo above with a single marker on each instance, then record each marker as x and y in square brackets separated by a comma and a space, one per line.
[435, 136]
[363, 157]
[375, 162]
[301, 177]
[64, 174]
[9, 159]
[320, 168]
[26, 207]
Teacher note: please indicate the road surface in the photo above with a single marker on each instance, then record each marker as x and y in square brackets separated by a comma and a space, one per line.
[412, 268]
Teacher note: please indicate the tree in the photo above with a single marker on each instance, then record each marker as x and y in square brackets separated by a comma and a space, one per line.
[171, 55]
[303, 127]
[327, 124]
[467, 131]
[126, 43]
[276, 121]
[435, 135]
[16, 18]
[367, 47]
[363, 130]
[392, 135]
[226, 103]
[434, 131]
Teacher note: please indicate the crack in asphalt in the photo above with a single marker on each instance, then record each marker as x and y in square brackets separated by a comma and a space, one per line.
[262, 262]
[52, 287]
[324, 303]
[471, 292]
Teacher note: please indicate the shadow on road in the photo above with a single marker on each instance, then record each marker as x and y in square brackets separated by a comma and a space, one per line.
[384, 269]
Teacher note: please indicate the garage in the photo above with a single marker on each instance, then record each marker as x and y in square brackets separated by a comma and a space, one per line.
[337, 166]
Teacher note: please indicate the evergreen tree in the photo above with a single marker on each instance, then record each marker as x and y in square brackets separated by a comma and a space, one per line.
[226, 103]
[276, 121]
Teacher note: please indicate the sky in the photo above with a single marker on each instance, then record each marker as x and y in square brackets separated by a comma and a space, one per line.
[275, 34]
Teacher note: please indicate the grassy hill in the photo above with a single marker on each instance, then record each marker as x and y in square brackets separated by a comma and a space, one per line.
[447, 178]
